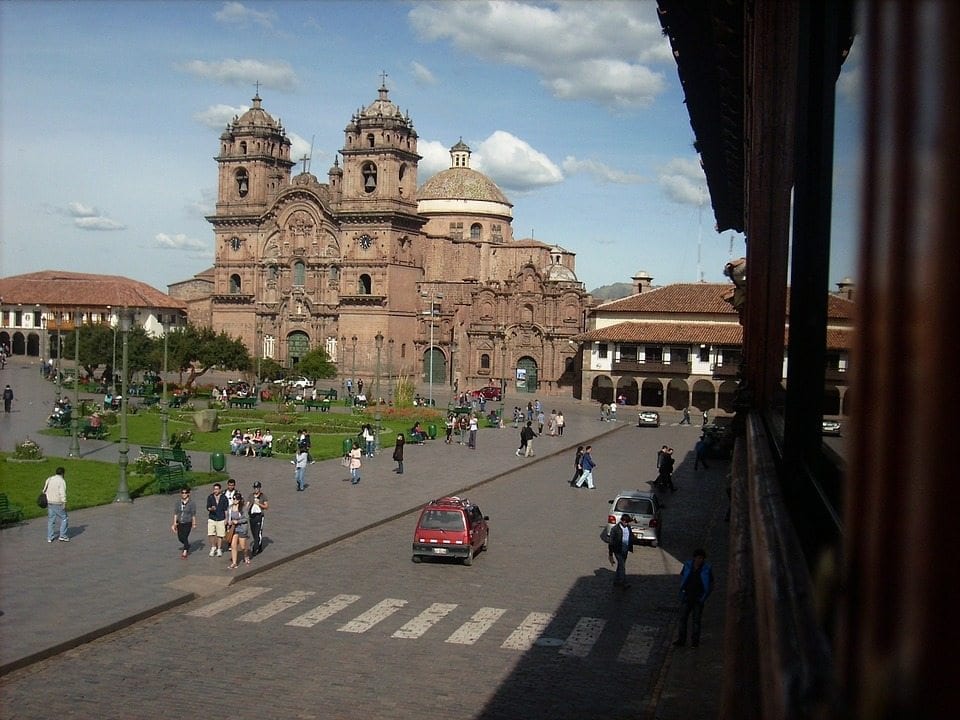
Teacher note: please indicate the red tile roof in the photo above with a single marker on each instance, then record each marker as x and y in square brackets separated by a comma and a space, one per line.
[666, 333]
[58, 288]
[693, 298]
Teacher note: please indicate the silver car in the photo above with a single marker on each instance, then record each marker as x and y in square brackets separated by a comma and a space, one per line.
[648, 418]
[644, 508]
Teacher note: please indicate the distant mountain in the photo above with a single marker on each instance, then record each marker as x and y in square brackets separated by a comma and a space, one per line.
[613, 292]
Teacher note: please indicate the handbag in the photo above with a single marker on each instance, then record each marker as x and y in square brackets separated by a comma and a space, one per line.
[42, 500]
[228, 536]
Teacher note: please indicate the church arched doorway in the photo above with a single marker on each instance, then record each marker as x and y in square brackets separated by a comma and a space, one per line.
[602, 389]
[527, 376]
[298, 345]
[435, 368]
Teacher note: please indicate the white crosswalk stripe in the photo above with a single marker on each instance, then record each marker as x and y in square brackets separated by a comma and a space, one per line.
[322, 612]
[528, 632]
[424, 621]
[276, 607]
[583, 637]
[638, 644]
[381, 611]
[237, 598]
[636, 648]
[470, 631]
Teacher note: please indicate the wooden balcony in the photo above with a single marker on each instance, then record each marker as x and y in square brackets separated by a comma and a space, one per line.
[363, 300]
[652, 368]
[233, 299]
[726, 371]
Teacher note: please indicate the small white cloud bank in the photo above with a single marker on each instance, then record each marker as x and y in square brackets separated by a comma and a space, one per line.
[234, 13]
[216, 117]
[276, 74]
[87, 217]
[601, 171]
[683, 182]
[422, 74]
[513, 164]
[181, 242]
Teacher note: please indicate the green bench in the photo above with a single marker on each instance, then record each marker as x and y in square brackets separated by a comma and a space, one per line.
[8, 512]
[168, 455]
[60, 423]
[170, 477]
[149, 400]
[243, 402]
[322, 405]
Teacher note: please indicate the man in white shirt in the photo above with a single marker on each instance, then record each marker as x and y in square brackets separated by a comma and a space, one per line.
[55, 488]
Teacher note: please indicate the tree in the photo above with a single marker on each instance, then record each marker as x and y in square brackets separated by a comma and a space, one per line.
[270, 370]
[195, 351]
[316, 364]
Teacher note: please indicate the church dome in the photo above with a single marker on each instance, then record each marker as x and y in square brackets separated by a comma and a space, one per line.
[381, 107]
[257, 117]
[560, 273]
[461, 183]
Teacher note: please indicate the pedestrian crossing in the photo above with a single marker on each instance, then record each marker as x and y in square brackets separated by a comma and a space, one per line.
[437, 620]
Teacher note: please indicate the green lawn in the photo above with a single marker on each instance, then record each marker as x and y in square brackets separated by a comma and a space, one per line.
[89, 482]
[327, 430]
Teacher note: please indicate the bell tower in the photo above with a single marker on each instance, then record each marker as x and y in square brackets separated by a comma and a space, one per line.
[254, 162]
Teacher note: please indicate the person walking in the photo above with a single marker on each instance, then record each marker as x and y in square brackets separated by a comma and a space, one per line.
[700, 453]
[368, 439]
[217, 507]
[241, 531]
[686, 416]
[472, 436]
[354, 463]
[256, 509]
[184, 520]
[7, 398]
[577, 469]
[527, 434]
[620, 543]
[587, 465]
[706, 417]
[449, 428]
[398, 453]
[665, 466]
[300, 460]
[55, 488]
[560, 423]
[696, 582]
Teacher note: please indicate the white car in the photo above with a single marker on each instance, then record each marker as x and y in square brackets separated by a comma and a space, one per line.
[299, 382]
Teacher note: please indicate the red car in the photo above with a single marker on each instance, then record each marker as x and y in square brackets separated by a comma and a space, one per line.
[450, 527]
[490, 392]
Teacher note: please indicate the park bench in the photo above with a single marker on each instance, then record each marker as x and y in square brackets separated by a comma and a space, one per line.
[243, 402]
[168, 455]
[91, 432]
[149, 400]
[61, 422]
[322, 405]
[8, 512]
[170, 477]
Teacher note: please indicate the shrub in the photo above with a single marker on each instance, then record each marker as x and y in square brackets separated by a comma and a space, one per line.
[285, 444]
[28, 450]
[179, 438]
[404, 391]
[146, 464]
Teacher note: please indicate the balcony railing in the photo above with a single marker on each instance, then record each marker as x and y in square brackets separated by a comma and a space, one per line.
[363, 300]
[727, 370]
[655, 368]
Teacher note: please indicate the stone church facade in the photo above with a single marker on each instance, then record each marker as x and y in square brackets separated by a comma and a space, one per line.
[431, 274]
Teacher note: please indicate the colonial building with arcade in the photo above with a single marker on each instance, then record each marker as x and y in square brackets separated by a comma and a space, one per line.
[426, 281]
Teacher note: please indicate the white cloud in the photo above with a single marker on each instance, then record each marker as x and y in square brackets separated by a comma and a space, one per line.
[216, 117]
[436, 157]
[80, 210]
[234, 13]
[275, 74]
[599, 170]
[97, 224]
[682, 181]
[422, 74]
[513, 164]
[594, 51]
[182, 242]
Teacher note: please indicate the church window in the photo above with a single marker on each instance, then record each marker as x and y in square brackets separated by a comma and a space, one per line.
[243, 147]
[334, 273]
[234, 284]
[243, 182]
[274, 272]
[299, 273]
[602, 351]
[485, 361]
[369, 173]
[475, 231]
[364, 284]
[370, 140]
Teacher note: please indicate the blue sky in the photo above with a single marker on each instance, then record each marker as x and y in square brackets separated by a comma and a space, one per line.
[112, 113]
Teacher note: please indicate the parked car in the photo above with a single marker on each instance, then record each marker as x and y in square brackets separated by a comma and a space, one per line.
[490, 392]
[830, 427]
[450, 527]
[648, 418]
[300, 382]
[644, 508]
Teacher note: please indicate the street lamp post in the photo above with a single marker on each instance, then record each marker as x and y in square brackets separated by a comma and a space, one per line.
[164, 410]
[123, 493]
[390, 366]
[503, 369]
[433, 300]
[353, 371]
[75, 415]
[378, 339]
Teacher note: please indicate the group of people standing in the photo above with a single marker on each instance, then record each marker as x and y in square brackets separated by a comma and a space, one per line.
[233, 522]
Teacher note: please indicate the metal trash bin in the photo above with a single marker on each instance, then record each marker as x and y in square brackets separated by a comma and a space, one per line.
[432, 431]
[218, 462]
